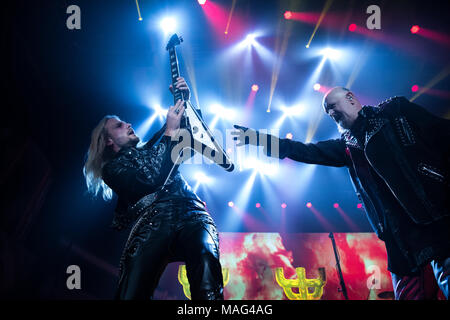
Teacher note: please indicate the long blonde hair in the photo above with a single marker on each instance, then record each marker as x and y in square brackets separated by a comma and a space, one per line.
[98, 154]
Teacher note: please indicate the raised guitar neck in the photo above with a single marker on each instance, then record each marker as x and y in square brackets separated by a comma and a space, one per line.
[175, 73]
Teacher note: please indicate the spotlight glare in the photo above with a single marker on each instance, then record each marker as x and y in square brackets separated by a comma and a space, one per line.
[284, 205]
[250, 39]
[317, 87]
[258, 205]
[415, 29]
[289, 136]
[201, 2]
[168, 24]
[336, 205]
[159, 110]
[293, 111]
[230, 204]
[201, 177]
[415, 88]
[265, 168]
[222, 112]
[359, 206]
[309, 204]
[288, 15]
[331, 54]
[255, 87]
[352, 27]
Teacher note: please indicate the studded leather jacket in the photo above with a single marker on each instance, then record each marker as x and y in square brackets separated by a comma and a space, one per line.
[134, 173]
[409, 149]
[398, 157]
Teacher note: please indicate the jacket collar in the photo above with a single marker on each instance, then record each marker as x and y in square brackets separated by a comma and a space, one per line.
[356, 135]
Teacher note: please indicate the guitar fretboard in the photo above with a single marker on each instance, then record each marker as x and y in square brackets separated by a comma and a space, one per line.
[175, 73]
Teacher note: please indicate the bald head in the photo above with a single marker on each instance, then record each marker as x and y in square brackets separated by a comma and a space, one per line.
[342, 106]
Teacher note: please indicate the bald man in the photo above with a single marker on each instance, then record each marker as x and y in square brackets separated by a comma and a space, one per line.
[398, 157]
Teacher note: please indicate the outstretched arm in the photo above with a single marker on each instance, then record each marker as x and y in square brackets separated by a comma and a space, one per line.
[327, 153]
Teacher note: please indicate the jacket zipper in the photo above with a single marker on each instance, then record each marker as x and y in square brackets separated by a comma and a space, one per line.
[432, 172]
[381, 227]
[406, 131]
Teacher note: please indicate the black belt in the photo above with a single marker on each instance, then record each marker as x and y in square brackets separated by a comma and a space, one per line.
[151, 199]
[142, 204]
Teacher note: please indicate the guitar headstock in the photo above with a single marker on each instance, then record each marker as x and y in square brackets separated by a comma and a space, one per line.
[174, 41]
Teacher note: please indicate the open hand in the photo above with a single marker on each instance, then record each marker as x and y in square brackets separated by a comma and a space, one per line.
[245, 136]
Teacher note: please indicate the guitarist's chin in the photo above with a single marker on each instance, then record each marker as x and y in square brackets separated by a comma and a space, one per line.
[134, 140]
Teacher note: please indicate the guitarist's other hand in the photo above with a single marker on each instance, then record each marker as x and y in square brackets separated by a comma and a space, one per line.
[245, 136]
[183, 87]
[174, 118]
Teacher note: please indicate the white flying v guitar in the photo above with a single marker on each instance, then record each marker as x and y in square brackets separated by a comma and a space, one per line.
[192, 120]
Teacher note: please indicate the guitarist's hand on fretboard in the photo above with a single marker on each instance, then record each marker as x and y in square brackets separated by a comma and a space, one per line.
[173, 118]
[182, 86]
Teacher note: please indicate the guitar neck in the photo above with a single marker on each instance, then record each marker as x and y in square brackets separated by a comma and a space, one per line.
[175, 73]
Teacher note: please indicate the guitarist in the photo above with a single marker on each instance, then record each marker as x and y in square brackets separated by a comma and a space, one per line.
[170, 222]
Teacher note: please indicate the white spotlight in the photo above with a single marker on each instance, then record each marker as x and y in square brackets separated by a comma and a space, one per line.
[293, 111]
[168, 24]
[263, 167]
[159, 110]
[250, 39]
[222, 112]
[331, 54]
[202, 178]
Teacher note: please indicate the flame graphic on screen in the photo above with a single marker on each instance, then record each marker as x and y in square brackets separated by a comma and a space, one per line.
[251, 258]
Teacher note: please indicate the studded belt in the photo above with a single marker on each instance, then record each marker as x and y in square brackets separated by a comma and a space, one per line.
[144, 203]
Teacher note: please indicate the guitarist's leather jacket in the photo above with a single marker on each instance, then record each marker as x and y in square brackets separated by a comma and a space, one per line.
[134, 173]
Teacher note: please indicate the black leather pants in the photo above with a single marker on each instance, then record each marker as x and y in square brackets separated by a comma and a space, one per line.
[172, 232]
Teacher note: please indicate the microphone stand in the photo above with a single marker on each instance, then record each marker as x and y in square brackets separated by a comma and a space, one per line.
[342, 289]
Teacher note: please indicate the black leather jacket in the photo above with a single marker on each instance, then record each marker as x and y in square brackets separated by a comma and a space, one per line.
[398, 157]
[137, 172]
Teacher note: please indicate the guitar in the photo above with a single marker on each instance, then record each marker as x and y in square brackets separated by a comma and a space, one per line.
[203, 140]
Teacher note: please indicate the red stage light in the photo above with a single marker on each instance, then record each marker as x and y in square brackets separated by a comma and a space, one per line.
[309, 204]
[336, 205]
[415, 29]
[201, 2]
[415, 88]
[352, 27]
[230, 204]
[288, 15]
[284, 205]
[258, 205]
[255, 87]
[359, 206]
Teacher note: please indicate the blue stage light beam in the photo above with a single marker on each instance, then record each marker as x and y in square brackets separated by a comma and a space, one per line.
[295, 111]
[158, 113]
[221, 113]
[202, 179]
